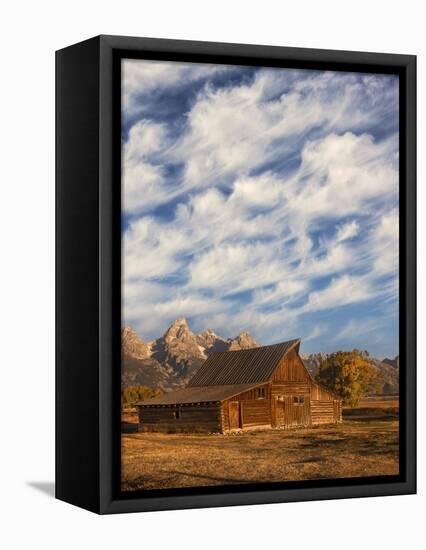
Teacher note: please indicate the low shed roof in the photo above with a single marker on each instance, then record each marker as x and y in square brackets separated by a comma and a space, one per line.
[199, 394]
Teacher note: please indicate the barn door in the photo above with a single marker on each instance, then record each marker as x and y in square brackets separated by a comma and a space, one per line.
[234, 415]
[297, 410]
[279, 413]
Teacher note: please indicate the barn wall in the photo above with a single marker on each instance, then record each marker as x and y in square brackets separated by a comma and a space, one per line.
[325, 408]
[290, 388]
[291, 369]
[326, 412]
[251, 395]
[321, 394]
[289, 381]
[288, 414]
[224, 416]
[253, 411]
[192, 418]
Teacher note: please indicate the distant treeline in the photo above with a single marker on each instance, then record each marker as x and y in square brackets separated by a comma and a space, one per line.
[133, 394]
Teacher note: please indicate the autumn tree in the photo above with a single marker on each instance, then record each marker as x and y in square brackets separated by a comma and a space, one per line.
[349, 374]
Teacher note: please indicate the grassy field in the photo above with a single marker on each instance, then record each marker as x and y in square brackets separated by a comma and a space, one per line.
[365, 444]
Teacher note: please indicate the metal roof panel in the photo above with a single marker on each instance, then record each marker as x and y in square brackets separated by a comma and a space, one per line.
[248, 366]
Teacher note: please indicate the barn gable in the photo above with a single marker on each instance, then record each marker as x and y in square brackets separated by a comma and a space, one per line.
[290, 368]
[250, 366]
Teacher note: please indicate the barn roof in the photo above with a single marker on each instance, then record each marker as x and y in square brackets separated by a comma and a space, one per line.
[199, 394]
[249, 366]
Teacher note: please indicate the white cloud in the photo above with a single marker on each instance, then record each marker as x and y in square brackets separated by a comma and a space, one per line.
[385, 242]
[273, 233]
[357, 327]
[235, 268]
[151, 250]
[341, 291]
[340, 173]
[234, 129]
[315, 333]
[347, 231]
[283, 292]
[337, 258]
[142, 78]
[143, 182]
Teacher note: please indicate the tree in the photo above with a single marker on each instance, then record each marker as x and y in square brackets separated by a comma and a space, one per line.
[133, 394]
[348, 373]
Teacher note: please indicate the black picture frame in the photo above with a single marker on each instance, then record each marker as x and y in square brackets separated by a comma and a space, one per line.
[88, 250]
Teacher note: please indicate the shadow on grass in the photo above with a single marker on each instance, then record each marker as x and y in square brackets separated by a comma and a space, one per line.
[310, 459]
[319, 442]
[211, 478]
[362, 418]
[176, 475]
[372, 413]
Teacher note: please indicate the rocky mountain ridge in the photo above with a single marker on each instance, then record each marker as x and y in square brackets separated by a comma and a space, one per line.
[170, 361]
[392, 362]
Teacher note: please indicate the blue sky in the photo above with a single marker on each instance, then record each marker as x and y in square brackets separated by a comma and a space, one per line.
[261, 199]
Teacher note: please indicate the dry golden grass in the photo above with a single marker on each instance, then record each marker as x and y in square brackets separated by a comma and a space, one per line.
[364, 446]
[381, 407]
[383, 401]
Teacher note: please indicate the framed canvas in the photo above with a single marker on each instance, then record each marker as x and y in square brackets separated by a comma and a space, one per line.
[235, 274]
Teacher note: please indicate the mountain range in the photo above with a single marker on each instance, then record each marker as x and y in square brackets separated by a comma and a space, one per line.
[170, 361]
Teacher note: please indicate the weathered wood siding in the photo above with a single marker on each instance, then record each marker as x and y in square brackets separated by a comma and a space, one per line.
[326, 412]
[224, 416]
[252, 410]
[291, 381]
[191, 418]
[288, 413]
[319, 393]
[290, 388]
[290, 398]
[291, 369]
[338, 410]
[291, 393]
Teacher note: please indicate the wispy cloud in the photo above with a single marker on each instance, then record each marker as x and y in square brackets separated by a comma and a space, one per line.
[268, 197]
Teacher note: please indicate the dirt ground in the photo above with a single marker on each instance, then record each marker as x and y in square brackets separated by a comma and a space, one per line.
[365, 444]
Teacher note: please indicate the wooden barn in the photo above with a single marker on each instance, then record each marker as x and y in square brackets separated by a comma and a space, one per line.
[265, 387]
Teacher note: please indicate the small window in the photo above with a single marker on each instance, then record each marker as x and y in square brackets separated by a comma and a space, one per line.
[260, 393]
[299, 399]
[176, 414]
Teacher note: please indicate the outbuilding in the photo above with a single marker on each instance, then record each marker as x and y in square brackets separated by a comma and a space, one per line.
[264, 387]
